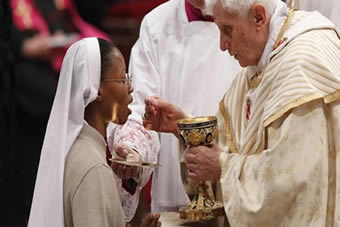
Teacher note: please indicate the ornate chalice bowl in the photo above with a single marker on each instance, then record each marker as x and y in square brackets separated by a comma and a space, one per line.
[193, 132]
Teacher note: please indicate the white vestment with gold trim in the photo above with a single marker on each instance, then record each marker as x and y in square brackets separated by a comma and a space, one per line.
[281, 166]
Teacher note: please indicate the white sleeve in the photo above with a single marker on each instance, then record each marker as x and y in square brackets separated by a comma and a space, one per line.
[144, 68]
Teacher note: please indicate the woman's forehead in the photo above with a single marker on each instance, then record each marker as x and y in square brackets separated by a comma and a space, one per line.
[116, 70]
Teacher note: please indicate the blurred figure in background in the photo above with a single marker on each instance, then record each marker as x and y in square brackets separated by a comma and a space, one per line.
[7, 112]
[176, 57]
[42, 31]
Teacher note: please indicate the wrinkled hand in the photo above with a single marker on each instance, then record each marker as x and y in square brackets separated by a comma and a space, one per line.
[203, 162]
[151, 220]
[161, 116]
[124, 171]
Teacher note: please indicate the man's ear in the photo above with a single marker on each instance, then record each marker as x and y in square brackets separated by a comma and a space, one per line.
[259, 15]
[99, 97]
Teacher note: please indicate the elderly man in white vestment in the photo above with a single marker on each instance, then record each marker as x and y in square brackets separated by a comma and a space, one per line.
[176, 57]
[278, 153]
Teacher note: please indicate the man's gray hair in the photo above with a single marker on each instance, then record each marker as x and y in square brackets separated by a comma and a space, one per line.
[242, 7]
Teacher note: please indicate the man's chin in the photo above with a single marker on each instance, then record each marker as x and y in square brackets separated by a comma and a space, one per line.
[243, 63]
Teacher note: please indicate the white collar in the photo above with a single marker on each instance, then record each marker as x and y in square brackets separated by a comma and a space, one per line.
[276, 22]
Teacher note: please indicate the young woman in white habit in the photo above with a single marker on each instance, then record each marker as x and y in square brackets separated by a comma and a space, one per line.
[75, 184]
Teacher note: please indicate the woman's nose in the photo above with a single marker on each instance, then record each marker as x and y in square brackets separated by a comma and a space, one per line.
[130, 88]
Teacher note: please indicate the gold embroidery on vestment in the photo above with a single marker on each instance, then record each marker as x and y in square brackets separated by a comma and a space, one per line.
[230, 139]
[256, 79]
[302, 100]
[332, 97]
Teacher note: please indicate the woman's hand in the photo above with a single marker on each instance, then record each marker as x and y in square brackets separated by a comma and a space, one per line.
[151, 220]
[125, 171]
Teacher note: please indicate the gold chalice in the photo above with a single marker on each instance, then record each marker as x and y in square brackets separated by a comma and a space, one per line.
[196, 131]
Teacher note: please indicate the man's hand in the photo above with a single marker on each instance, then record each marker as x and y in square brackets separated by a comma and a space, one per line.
[203, 162]
[161, 116]
[151, 220]
[124, 171]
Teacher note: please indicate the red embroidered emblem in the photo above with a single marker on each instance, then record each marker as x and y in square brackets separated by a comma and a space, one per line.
[280, 42]
[248, 109]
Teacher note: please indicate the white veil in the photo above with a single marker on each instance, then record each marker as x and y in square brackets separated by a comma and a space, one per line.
[77, 87]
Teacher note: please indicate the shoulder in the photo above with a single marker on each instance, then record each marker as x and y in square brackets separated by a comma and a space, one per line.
[317, 48]
[83, 151]
[98, 174]
[82, 158]
[310, 34]
[84, 167]
[316, 38]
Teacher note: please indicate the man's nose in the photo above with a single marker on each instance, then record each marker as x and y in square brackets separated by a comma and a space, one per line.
[224, 43]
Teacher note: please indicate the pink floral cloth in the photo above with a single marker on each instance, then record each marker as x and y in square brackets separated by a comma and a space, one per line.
[138, 138]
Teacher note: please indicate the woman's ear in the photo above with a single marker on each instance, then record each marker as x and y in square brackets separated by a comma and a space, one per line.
[99, 97]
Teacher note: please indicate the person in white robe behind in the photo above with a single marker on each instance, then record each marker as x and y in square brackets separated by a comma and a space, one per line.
[277, 157]
[75, 184]
[177, 58]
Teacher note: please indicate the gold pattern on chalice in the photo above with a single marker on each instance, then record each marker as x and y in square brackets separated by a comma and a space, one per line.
[196, 131]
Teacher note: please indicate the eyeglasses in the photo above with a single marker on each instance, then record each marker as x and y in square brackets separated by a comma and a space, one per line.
[127, 81]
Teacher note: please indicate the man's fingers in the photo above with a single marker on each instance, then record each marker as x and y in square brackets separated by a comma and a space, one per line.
[189, 158]
[147, 125]
[191, 166]
[148, 100]
[194, 175]
[194, 150]
[150, 112]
